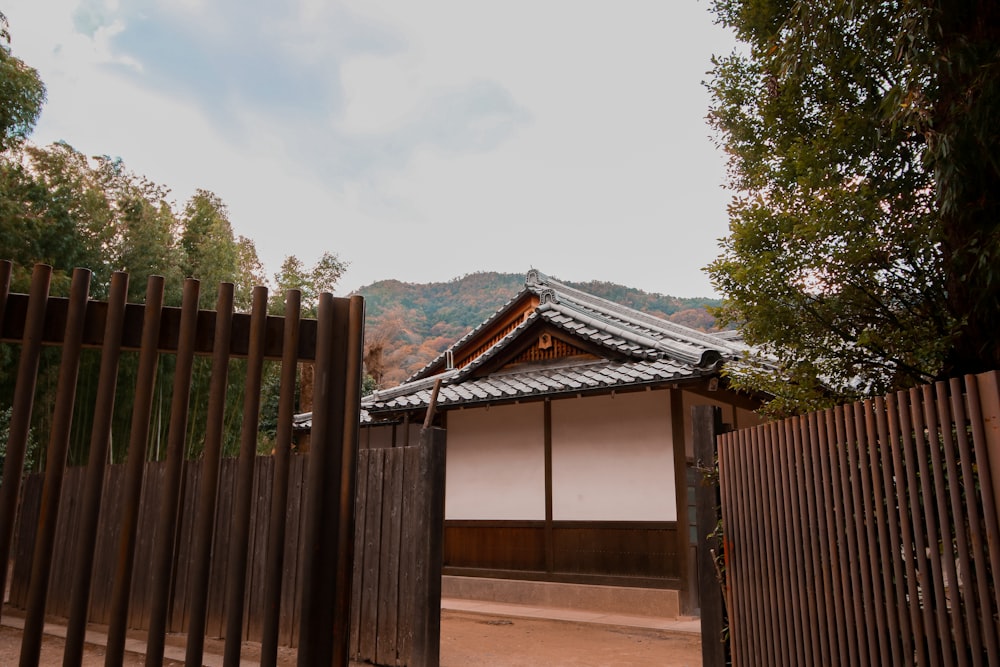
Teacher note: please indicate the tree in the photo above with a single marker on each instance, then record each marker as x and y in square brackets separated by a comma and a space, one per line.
[22, 93]
[321, 277]
[865, 220]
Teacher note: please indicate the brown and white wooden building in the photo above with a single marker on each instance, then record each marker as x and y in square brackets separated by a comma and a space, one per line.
[568, 438]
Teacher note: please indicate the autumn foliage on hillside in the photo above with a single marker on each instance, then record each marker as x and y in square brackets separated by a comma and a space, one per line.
[408, 325]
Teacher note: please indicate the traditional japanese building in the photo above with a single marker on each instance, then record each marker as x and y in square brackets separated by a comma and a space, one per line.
[569, 458]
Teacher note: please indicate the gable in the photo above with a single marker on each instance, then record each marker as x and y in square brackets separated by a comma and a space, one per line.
[549, 347]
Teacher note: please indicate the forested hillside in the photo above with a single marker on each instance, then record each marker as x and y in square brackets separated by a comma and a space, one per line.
[408, 324]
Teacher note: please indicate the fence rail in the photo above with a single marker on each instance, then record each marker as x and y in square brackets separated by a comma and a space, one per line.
[867, 534]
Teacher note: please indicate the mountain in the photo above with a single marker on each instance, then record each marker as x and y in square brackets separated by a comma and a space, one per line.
[407, 325]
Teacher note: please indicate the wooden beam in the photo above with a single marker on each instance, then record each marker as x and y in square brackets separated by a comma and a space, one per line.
[680, 487]
[706, 425]
[57, 310]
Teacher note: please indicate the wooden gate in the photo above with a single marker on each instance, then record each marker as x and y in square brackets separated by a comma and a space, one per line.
[867, 534]
[396, 614]
[332, 342]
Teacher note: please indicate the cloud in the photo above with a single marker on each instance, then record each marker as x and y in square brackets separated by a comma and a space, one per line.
[262, 69]
[567, 134]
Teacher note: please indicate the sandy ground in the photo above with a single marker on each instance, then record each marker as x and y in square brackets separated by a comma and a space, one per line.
[468, 640]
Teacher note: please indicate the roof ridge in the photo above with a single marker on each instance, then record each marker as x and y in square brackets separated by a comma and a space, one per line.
[677, 349]
[637, 316]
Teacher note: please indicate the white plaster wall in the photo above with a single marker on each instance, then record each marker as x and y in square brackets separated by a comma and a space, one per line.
[496, 463]
[612, 458]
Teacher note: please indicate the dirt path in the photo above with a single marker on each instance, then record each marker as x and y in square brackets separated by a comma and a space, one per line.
[471, 640]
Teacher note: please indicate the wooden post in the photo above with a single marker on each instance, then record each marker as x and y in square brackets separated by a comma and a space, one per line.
[681, 500]
[989, 402]
[706, 425]
[427, 620]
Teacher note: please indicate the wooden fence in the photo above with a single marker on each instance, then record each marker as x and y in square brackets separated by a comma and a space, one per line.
[867, 534]
[396, 601]
[396, 612]
[332, 342]
[148, 542]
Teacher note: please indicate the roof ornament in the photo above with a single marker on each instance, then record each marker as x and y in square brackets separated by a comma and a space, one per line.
[546, 296]
[534, 277]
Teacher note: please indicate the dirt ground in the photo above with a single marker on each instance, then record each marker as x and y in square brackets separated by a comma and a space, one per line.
[468, 640]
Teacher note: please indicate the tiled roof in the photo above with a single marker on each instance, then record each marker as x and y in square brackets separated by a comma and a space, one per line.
[641, 349]
[539, 381]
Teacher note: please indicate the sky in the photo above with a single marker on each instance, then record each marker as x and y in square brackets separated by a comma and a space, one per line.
[419, 141]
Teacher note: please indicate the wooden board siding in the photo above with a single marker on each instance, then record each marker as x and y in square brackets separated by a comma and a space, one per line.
[557, 349]
[495, 545]
[625, 553]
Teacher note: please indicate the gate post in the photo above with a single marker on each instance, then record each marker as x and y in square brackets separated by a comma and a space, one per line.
[706, 426]
[427, 619]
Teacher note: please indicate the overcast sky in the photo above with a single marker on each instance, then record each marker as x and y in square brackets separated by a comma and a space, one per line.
[418, 140]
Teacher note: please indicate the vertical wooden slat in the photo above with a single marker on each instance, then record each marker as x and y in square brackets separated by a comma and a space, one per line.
[100, 439]
[777, 556]
[837, 540]
[736, 541]
[706, 423]
[855, 444]
[985, 460]
[360, 551]
[752, 586]
[184, 547]
[739, 549]
[857, 642]
[28, 517]
[808, 541]
[934, 599]
[788, 539]
[766, 645]
[432, 475]
[826, 564]
[896, 411]
[236, 574]
[20, 417]
[923, 600]
[987, 410]
[389, 563]
[64, 545]
[964, 591]
[208, 482]
[167, 519]
[903, 550]
[313, 621]
[135, 468]
[352, 370]
[215, 615]
[279, 493]
[725, 510]
[55, 468]
[108, 534]
[408, 580]
[257, 548]
[978, 571]
[887, 525]
[373, 536]
[291, 587]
